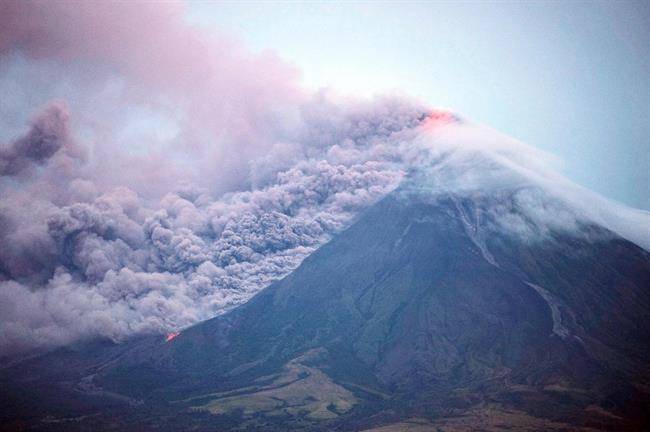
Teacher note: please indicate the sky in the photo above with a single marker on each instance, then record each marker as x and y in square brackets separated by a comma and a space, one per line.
[571, 77]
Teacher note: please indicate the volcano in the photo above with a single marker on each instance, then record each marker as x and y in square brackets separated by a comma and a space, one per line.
[424, 314]
[417, 311]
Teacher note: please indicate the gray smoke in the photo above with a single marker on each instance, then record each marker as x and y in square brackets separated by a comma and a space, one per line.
[82, 263]
[48, 133]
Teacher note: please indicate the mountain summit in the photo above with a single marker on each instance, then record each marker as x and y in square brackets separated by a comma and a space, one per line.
[425, 314]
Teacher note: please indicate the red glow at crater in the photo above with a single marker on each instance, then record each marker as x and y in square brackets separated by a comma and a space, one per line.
[439, 118]
[171, 336]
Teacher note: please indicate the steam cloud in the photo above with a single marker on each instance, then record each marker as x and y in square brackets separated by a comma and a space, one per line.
[102, 238]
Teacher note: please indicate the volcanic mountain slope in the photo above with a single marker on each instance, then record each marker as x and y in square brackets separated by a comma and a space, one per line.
[424, 315]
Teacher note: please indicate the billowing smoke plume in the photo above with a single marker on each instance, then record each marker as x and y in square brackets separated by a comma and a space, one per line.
[82, 261]
[105, 234]
[47, 135]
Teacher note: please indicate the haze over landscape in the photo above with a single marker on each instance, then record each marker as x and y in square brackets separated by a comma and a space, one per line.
[176, 204]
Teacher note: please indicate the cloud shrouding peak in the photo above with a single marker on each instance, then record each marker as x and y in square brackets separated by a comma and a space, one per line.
[110, 236]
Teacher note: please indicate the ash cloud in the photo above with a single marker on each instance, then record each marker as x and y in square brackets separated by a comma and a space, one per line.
[48, 133]
[89, 261]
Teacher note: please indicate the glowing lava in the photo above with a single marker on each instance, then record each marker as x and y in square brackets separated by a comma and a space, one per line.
[171, 336]
[439, 118]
